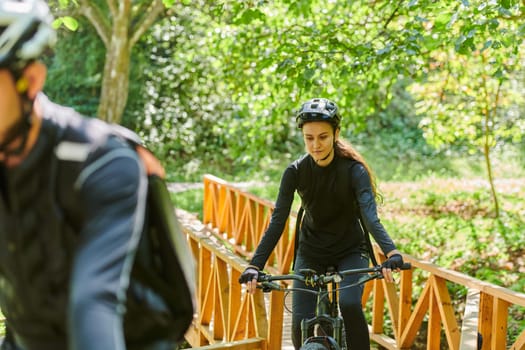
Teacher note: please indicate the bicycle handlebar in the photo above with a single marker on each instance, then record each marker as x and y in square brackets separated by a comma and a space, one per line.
[311, 277]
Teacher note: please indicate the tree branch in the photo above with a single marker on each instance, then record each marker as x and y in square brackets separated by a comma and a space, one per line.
[145, 21]
[112, 5]
[96, 17]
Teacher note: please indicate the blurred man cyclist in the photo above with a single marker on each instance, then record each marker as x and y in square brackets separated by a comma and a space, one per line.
[72, 206]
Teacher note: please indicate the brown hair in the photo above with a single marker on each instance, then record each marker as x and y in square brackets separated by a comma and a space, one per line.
[345, 149]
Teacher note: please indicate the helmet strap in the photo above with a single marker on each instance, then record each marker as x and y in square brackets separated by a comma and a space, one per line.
[325, 158]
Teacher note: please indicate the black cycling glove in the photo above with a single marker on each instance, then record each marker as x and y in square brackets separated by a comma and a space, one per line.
[394, 262]
[249, 274]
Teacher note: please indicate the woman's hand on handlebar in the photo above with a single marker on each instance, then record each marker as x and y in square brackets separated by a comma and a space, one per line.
[393, 263]
[249, 277]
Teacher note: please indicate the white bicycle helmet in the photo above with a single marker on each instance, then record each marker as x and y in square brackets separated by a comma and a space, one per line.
[25, 31]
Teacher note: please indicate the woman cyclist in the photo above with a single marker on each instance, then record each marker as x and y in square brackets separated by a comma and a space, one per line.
[334, 202]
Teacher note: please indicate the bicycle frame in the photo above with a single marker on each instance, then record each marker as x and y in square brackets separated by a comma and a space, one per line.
[326, 314]
[327, 306]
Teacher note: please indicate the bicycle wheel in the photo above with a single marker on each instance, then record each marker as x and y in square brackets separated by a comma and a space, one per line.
[320, 343]
[314, 346]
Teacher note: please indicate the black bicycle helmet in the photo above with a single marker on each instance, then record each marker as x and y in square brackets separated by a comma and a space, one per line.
[318, 109]
[25, 32]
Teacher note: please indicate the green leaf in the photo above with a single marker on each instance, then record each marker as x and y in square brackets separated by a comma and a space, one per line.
[57, 23]
[486, 45]
[442, 21]
[493, 24]
[505, 3]
[499, 74]
[521, 30]
[285, 64]
[170, 3]
[308, 73]
[453, 20]
[70, 23]
[249, 16]
[504, 12]
[464, 45]
[384, 50]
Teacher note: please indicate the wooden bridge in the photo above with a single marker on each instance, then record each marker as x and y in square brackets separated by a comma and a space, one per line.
[418, 310]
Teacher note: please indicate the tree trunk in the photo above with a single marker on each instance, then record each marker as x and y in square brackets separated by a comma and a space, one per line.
[115, 82]
[114, 91]
[119, 33]
[489, 114]
[493, 191]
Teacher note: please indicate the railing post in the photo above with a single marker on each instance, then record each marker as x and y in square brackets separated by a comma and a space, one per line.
[499, 324]
[405, 302]
[276, 321]
[485, 319]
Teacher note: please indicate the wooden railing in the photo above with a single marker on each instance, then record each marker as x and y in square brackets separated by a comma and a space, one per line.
[233, 223]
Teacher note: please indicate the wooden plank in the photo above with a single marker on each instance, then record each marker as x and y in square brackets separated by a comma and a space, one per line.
[378, 306]
[393, 304]
[485, 319]
[248, 344]
[221, 299]
[239, 223]
[276, 317]
[240, 329]
[205, 277]
[382, 340]
[447, 313]
[405, 300]
[193, 335]
[416, 318]
[261, 317]
[367, 291]
[469, 327]
[467, 281]
[235, 330]
[434, 322]
[499, 324]
[519, 344]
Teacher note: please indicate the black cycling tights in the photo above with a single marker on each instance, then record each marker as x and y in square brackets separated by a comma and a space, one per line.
[356, 328]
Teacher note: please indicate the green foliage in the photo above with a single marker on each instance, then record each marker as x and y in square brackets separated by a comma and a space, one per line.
[215, 85]
[451, 226]
[181, 106]
[289, 51]
[189, 200]
[74, 77]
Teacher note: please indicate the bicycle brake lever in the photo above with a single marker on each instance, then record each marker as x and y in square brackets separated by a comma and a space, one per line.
[268, 286]
[370, 277]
